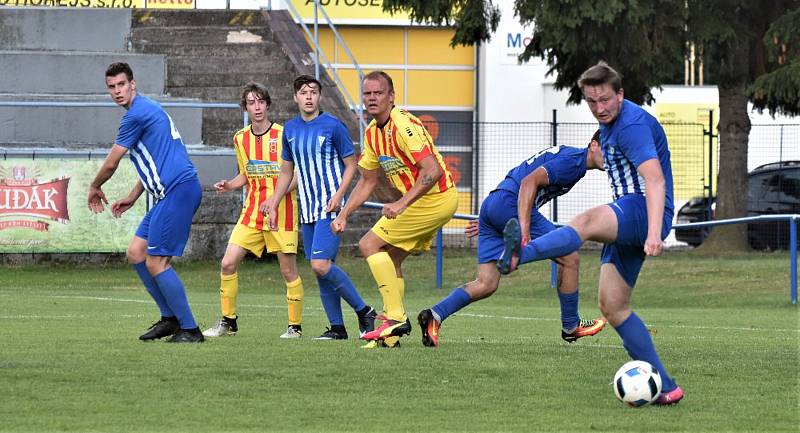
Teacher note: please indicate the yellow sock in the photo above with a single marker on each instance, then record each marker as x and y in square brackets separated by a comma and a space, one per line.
[294, 299]
[228, 290]
[390, 286]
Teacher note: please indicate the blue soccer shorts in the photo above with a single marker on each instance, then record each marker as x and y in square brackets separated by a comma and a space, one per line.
[167, 225]
[627, 252]
[499, 207]
[319, 242]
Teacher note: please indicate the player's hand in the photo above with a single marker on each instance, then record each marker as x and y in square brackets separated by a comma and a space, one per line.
[221, 186]
[392, 210]
[121, 206]
[653, 246]
[526, 238]
[96, 199]
[338, 225]
[334, 204]
[471, 230]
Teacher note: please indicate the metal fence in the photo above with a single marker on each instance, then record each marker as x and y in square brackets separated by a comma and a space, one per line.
[479, 154]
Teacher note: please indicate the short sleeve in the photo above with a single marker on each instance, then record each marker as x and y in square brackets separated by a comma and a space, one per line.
[130, 131]
[368, 159]
[636, 143]
[566, 168]
[342, 141]
[240, 156]
[414, 141]
[286, 148]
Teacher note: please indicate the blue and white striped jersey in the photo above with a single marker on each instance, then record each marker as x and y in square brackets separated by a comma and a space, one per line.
[317, 149]
[155, 147]
[565, 166]
[634, 137]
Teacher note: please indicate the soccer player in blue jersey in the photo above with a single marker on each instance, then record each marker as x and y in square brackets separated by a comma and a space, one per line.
[633, 226]
[528, 186]
[319, 146]
[167, 174]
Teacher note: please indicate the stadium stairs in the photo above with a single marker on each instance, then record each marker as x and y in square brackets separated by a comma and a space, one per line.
[53, 54]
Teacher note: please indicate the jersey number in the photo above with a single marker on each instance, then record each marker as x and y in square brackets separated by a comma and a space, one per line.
[553, 150]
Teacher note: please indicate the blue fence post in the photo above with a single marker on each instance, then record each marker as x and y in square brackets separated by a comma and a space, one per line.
[553, 275]
[793, 257]
[439, 258]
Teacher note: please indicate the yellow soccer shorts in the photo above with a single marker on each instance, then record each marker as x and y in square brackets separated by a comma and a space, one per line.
[414, 229]
[255, 240]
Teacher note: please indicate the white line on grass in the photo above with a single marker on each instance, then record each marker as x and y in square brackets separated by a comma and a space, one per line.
[479, 316]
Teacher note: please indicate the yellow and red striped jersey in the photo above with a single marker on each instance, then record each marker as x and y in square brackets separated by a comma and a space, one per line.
[397, 147]
[259, 158]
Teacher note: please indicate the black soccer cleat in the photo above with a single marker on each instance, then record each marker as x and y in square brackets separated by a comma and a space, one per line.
[333, 334]
[512, 237]
[187, 336]
[429, 327]
[366, 321]
[163, 328]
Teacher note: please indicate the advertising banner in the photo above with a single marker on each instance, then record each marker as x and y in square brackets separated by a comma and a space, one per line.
[43, 207]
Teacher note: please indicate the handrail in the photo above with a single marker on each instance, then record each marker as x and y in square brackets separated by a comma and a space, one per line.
[358, 107]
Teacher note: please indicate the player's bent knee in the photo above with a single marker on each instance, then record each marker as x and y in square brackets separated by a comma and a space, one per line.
[320, 267]
[229, 267]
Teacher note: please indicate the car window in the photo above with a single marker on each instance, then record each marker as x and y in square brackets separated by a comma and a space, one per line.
[758, 189]
[788, 187]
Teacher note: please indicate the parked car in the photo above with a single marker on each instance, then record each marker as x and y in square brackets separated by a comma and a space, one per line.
[772, 189]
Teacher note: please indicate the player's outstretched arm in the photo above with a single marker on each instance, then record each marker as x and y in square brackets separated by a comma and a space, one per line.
[270, 206]
[428, 174]
[350, 168]
[122, 205]
[363, 189]
[96, 197]
[655, 194]
[527, 194]
[230, 185]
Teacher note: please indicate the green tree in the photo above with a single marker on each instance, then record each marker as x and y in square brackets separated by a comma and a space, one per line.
[751, 44]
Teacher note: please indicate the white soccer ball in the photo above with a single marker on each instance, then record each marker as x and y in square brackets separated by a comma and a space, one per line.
[637, 383]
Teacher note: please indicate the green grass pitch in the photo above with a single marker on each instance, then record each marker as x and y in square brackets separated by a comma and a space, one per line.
[70, 360]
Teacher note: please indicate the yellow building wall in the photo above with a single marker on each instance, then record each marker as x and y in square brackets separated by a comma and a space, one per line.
[432, 46]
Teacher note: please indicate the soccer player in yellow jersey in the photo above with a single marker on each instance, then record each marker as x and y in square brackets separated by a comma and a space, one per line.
[258, 151]
[397, 142]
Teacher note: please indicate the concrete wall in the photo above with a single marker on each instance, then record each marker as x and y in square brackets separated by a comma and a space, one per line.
[63, 30]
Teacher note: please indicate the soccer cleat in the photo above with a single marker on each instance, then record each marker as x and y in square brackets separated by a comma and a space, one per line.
[366, 322]
[389, 328]
[293, 331]
[672, 397]
[512, 239]
[331, 334]
[163, 328]
[389, 343]
[187, 336]
[430, 328]
[585, 328]
[223, 327]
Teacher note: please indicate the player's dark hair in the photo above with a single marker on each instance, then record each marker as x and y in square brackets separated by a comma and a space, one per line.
[304, 80]
[117, 68]
[600, 74]
[257, 89]
[378, 75]
[595, 137]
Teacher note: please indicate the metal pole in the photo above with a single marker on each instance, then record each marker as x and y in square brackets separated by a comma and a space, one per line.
[439, 258]
[554, 203]
[710, 162]
[316, 41]
[793, 258]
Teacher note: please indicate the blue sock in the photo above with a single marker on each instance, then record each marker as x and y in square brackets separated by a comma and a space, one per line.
[152, 288]
[569, 310]
[456, 300]
[557, 243]
[339, 280]
[330, 301]
[175, 295]
[640, 346]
